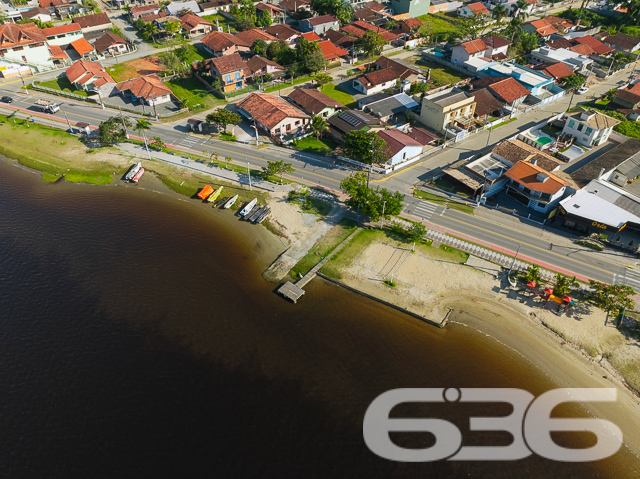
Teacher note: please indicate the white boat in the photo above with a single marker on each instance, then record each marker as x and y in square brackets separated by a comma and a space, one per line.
[247, 209]
[230, 203]
[133, 171]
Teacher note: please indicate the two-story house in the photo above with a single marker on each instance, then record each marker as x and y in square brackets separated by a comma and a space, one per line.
[111, 44]
[496, 47]
[63, 35]
[589, 128]
[463, 52]
[535, 187]
[320, 24]
[24, 43]
[448, 107]
[230, 70]
[88, 76]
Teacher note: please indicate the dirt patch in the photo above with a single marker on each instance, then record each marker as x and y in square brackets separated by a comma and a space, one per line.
[136, 68]
[288, 217]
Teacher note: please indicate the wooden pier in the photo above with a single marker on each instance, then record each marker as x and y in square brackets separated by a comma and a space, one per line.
[294, 291]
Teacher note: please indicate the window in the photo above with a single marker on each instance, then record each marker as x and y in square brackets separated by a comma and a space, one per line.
[589, 131]
[227, 78]
[572, 123]
[238, 75]
[581, 127]
[585, 139]
[297, 122]
[17, 49]
[404, 155]
[289, 127]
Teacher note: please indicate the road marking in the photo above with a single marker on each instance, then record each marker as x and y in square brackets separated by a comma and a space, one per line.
[422, 209]
[418, 163]
[545, 250]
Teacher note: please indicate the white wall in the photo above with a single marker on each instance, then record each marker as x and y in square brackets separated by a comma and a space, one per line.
[405, 154]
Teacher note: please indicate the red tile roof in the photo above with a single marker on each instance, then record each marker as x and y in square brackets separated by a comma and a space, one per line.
[269, 110]
[486, 103]
[375, 6]
[582, 49]
[144, 8]
[88, 21]
[353, 30]
[412, 23]
[68, 28]
[35, 11]
[494, 41]
[147, 87]
[57, 53]
[478, 8]
[191, 21]
[228, 63]
[273, 9]
[219, 41]
[474, 46]
[340, 39]
[597, 46]
[250, 36]
[621, 40]
[527, 173]
[14, 35]
[282, 32]
[387, 36]
[311, 36]
[509, 89]
[557, 71]
[543, 27]
[82, 46]
[330, 51]
[257, 62]
[322, 20]
[294, 5]
[422, 136]
[396, 140]
[403, 71]
[84, 70]
[378, 77]
[313, 101]
[107, 40]
[558, 22]
[560, 43]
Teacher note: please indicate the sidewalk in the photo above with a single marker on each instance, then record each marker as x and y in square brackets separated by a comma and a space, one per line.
[243, 179]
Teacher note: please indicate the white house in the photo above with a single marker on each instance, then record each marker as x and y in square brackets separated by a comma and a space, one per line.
[496, 47]
[589, 127]
[148, 89]
[24, 43]
[472, 10]
[320, 24]
[377, 81]
[175, 7]
[38, 13]
[402, 146]
[63, 35]
[463, 52]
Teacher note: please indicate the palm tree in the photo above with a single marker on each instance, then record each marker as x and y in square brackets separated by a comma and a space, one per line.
[515, 24]
[319, 125]
[610, 95]
[521, 6]
[227, 159]
[499, 14]
[563, 285]
[151, 29]
[141, 126]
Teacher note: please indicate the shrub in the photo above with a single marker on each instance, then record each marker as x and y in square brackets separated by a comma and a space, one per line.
[590, 245]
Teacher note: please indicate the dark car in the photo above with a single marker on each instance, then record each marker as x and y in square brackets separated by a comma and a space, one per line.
[6, 99]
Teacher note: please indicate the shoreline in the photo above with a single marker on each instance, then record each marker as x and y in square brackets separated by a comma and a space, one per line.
[529, 335]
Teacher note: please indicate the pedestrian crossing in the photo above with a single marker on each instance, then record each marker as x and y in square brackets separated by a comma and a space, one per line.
[421, 209]
[631, 277]
[191, 141]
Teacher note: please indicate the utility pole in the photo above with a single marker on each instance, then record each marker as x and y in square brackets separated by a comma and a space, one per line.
[68, 123]
[249, 173]
[146, 143]
[489, 137]
[514, 260]
[123, 123]
[370, 164]
[384, 203]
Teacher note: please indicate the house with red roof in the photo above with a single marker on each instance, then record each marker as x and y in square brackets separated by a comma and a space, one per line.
[540, 27]
[250, 36]
[497, 47]
[279, 118]
[471, 49]
[314, 102]
[387, 36]
[84, 49]
[627, 101]
[213, 7]
[376, 81]
[220, 44]
[111, 44]
[257, 66]
[229, 70]
[284, 32]
[38, 13]
[311, 36]
[88, 76]
[320, 24]
[293, 6]
[509, 91]
[331, 52]
[143, 10]
[148, 89]
[63, 35]
[193, 25]
[276, 11]
[25, 43]
[93, 23]
[535, 187]
[410, 25]
[471, 10]
[597, 46]
[402, 146]
[557, 70]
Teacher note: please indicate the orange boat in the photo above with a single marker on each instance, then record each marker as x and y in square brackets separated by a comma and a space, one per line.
[205, 192]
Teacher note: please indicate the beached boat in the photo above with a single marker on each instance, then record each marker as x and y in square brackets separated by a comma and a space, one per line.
[247, 209]
[264, 215]
[254, 213]
[230, 203]
[205, 192]
[133, 171]
[138, 175]
[214, 195]
[222, 201]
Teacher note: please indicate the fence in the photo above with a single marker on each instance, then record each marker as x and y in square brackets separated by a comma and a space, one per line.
[53, 91]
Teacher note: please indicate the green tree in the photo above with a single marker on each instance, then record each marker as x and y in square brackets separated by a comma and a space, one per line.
[563, 285]
[141, 127]
[499, 13]
[369, 201]
[322, 78]
[263, 19]
[304, 48]
[524, 42]
[259, 47]
[113, 130]
[343, 12]
[244, 24]
[172, 27]
[151, 30]
[316, 62]
[370, 43]
[223, 118]
[417, 232]
[611, 94]
[611, 297]
[274, 168]
[573, 82]
[156, 143]
[171, 62]
[533, 274]
[227, 159]
[281, 53]
[633, 11]
[365, 146]
[319, 125]
[521, 9]
[390, 25]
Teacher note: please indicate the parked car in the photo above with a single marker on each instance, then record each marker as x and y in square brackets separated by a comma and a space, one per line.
[6, 99]
[582, 90]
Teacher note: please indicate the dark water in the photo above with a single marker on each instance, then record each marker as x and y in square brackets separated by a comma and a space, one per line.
[137, 339]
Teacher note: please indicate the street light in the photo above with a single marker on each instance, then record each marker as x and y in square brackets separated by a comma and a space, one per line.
[514, 260]
[248, 173]
[384, 203]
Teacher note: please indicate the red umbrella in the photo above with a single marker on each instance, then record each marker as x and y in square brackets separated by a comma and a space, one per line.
[548, 291]
[567, 299]
[531, 284]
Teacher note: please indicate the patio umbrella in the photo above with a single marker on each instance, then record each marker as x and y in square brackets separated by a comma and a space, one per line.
[531, 284]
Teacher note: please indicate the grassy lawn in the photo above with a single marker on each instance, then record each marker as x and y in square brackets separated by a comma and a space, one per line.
[63, 84]
[443, 201]
[222, 21]
[350, 252]
[446, 185]
[440, 75]
[504, 123]
[324, 247]
[195, 55]
[436, 26]
[629, 128]
[296, 81]
[338, 94]
[194, 93]
[311, 143]
[313, 205]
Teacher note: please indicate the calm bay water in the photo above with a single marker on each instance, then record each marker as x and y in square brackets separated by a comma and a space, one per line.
[138, 339]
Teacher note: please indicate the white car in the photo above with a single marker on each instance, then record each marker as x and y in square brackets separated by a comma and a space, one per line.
[582, 90]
